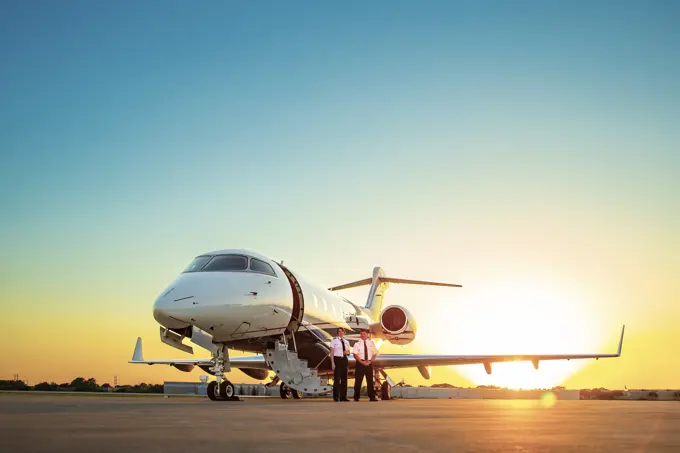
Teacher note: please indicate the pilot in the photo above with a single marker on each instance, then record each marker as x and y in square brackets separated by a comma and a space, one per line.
[364, 353]
[339, 355]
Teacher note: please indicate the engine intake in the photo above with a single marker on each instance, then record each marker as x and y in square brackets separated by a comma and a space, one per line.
[393, 320]
[398, 325]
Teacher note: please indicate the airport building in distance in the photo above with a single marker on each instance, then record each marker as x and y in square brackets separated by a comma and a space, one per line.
[260, 390]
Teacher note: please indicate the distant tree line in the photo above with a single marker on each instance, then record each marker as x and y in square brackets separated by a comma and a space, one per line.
[601, 394]
[80, 384]
[605, 394]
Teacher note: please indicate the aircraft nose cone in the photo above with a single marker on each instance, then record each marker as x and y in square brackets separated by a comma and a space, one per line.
[166, 311]
[160, 312]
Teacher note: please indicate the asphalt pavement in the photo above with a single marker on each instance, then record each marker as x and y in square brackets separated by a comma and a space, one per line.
[79, 424]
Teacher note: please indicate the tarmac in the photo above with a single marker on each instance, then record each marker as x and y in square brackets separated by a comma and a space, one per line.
[75, 424]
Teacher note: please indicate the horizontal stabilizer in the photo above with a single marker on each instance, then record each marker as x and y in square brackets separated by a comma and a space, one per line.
[368, 281]
[379, 284]
[364, 282]
[419, 282]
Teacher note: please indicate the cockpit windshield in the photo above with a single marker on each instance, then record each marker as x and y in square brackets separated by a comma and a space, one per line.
[227, 263]
[197, 264]
[234, 262]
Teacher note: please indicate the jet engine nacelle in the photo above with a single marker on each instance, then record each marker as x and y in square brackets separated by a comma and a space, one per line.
[398, 325]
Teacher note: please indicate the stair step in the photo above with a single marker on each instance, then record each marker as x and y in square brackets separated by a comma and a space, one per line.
[295, 372]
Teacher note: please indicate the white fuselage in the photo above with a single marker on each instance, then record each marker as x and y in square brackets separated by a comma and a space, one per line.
[244, 304]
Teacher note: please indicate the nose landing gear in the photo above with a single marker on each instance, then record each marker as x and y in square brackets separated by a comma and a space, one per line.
[226, 392]
[212, 394]
[221, 389]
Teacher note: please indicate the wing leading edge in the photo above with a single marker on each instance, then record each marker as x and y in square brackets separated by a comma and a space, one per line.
[388, 360]
[416, 360]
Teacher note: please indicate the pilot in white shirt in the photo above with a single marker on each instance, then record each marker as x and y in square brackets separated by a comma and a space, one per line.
[339, 354]
[364, 353]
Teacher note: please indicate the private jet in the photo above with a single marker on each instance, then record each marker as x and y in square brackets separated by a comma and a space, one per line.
[242, 301]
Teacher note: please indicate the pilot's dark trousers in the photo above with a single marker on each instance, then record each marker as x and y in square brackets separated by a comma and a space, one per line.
[340, 379]
[359, 374]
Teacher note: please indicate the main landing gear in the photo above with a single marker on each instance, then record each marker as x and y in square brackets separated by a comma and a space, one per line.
[286, 392]
[385, 391]
[221, 389]
[382, 388]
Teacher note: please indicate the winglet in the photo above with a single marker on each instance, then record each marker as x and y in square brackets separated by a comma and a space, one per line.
[618, 353]
[138, 355]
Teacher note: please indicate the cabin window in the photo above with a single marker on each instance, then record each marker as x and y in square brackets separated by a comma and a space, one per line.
[227, 263]
[197, 264]
[260, 266]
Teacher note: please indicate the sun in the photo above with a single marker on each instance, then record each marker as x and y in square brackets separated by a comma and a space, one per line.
[509, 318]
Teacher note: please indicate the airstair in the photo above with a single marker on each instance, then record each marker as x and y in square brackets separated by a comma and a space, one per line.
[295, 372]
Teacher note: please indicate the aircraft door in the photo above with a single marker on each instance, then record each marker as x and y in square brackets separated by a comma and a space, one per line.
[298, 311]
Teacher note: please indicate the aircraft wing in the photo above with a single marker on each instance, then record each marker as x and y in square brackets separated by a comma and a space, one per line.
[256, 361]
[416, 360]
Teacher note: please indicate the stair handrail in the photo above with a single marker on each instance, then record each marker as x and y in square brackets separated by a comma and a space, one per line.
[303, 325]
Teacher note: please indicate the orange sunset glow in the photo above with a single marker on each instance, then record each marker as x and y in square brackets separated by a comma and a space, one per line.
[537, 169]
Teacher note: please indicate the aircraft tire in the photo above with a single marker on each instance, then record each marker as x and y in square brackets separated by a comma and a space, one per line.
[285, 391]
[227, 390]
[296, 395]
[385, 391]
[211, 391]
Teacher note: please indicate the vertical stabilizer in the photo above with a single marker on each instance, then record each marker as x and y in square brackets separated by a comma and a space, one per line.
[374, 302]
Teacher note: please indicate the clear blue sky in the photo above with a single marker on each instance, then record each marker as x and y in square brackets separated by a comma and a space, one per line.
[440, 139]
[129, 126]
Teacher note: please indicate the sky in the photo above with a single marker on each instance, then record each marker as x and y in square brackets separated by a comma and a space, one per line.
[527, 150]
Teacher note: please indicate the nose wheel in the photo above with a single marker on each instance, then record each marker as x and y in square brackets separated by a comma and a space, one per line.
[224, 391]
[212, 391]
[221, 389]
[227, 391]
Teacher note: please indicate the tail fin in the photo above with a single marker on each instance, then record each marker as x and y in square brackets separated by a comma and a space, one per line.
[374, 302]
[379, 284]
